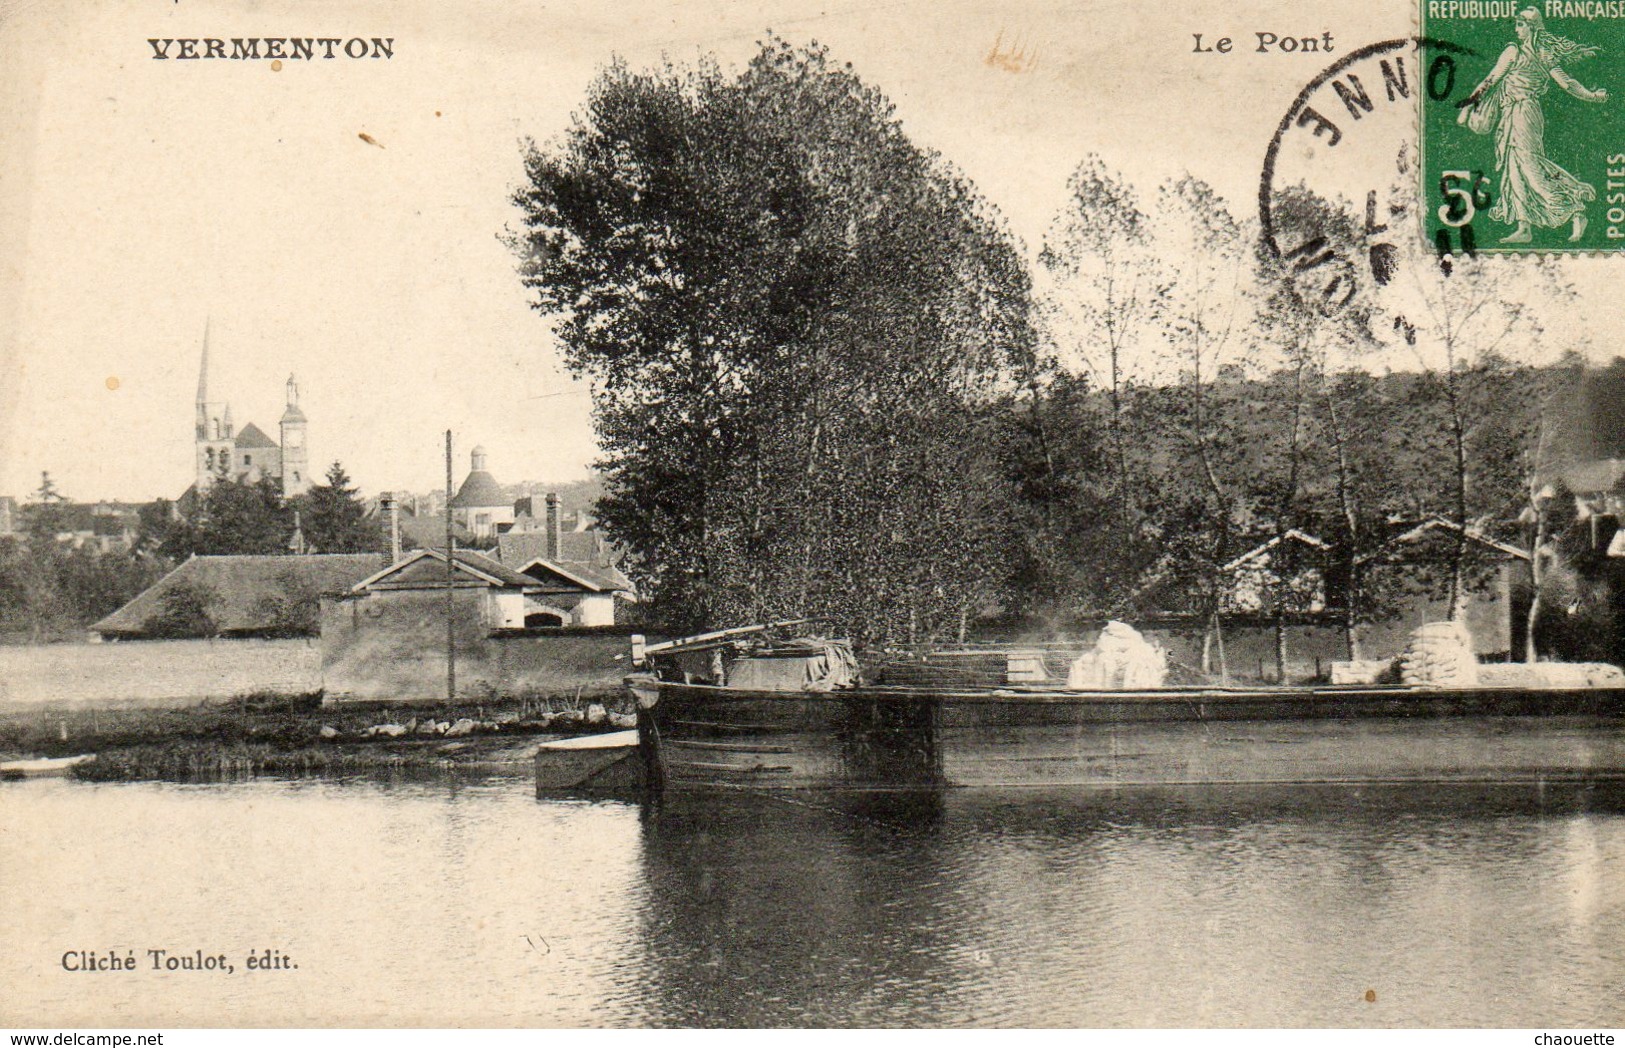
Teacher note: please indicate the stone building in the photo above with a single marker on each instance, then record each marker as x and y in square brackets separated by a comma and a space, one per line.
[248, 454]
[387, 637]
[481, 507]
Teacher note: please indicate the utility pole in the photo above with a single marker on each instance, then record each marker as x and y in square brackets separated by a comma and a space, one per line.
[451, 588]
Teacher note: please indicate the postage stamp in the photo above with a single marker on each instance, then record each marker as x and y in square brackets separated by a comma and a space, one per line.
[1522, 129]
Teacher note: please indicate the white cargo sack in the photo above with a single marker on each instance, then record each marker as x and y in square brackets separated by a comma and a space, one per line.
[1439, 655]
[1121, 659]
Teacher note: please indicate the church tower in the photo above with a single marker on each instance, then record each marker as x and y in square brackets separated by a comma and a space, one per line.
[213, 439]
[295, 467]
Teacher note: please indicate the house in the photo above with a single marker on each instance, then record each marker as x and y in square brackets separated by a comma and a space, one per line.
[571, 576]
[1285, 570]
[498, 593]
[1411, 572]
[537, 592]
[238, 596]
[572, 593]
[530, 513]
[1599, 502]
[403, 633]
[576, 570]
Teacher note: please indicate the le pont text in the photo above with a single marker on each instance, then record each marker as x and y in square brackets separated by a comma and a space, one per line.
[1266, 44]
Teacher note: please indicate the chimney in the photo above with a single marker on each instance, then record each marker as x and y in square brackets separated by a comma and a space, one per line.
[392, 521]
[553, 526]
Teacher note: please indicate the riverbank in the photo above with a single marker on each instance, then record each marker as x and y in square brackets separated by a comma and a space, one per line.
[297, 735]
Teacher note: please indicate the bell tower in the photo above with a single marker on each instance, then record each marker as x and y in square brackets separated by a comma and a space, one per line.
[295, 456]
[213, 437]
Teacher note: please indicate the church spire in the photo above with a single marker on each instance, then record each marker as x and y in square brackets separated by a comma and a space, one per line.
[214, 425]
[213, 418]
[203, 369]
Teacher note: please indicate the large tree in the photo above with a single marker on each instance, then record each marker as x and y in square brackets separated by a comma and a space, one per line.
[1200, 433]
[1463, 318]
[333, 517]
[797, 324]
[243, 518]
[1083, 482]
[1315, 474]
[45, 515]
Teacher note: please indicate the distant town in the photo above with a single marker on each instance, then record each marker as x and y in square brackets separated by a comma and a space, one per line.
[249, 547]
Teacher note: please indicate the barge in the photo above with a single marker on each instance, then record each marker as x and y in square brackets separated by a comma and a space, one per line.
[718, 714]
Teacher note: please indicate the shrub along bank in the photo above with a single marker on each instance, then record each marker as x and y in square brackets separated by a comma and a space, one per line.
[297, 735]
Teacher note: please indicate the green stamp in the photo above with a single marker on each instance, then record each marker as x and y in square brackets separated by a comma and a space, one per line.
[1522, 126]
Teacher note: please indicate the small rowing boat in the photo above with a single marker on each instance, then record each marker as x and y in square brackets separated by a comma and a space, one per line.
[608, 762]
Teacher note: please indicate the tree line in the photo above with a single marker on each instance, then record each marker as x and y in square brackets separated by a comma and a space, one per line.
[53, 587]
[828, 382]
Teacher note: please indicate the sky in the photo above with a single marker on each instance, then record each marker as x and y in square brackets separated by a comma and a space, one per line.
[141, 199]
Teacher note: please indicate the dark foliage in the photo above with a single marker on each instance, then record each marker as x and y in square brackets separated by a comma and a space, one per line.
[796, 321]
[293, 610]
[185, 612]
[334, 519]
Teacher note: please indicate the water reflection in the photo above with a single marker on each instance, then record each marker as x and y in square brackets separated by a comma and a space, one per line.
[1467, 906]
[448, 904]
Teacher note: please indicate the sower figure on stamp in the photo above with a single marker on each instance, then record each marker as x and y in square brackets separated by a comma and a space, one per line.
[1534, 190]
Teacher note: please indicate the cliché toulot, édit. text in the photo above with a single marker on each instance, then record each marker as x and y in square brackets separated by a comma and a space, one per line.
[153, 960]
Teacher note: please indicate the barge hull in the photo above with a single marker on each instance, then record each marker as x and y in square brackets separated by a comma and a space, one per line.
[710, 737]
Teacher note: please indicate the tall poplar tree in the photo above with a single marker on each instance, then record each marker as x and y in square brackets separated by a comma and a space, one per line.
[797, 324]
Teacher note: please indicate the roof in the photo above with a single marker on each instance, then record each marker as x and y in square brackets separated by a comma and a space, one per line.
[1258, 552]
[424, 569]
[588, 547]
[240, 585]
[421, 531]
[479, 489]
[114, 524]
[1420, 531]
[586, 555]
[251, 436]
[293, 414]
[577, 575]
[1587, 478]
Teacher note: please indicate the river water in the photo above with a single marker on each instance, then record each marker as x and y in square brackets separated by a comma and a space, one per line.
[480, 904]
